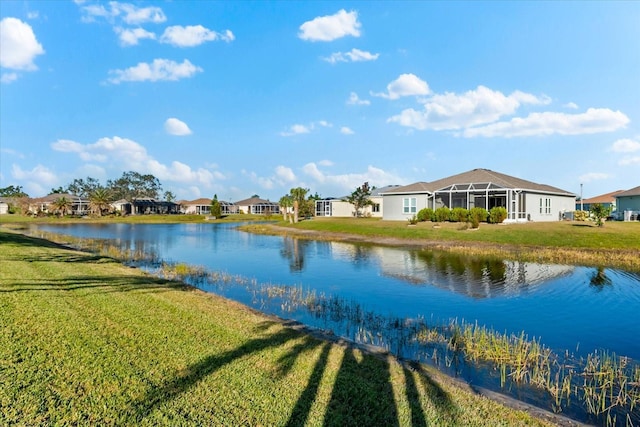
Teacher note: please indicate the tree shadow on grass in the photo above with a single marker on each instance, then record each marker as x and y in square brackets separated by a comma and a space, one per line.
[195, 373]
[12, 238]
[97, 284]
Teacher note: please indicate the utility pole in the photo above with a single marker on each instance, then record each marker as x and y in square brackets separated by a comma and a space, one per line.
[581, 204]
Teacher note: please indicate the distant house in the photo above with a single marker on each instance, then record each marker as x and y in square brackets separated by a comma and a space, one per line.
[628, 203]
[203, 207]
[145, 206]
[339, 207]
[200, 206]
[523, 200]
[257, 206]
[607, 200]
[4, 206]
[78, 205]
[123, 206]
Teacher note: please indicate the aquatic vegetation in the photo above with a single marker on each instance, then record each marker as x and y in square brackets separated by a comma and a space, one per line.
[605, 387]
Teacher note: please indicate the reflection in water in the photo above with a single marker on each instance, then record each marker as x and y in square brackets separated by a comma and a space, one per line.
[599, 279]
[474, 277]
[293, 250]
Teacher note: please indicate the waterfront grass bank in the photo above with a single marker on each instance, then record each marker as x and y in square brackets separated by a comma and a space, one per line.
[615, 245]
[87, 340]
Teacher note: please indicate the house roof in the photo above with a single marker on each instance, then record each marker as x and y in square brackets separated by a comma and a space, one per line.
[254, 201]
[478, 176]
[418, 187]
[378, 191]
[200, 201]
[635, 191]
[603, 198]
[50, 198]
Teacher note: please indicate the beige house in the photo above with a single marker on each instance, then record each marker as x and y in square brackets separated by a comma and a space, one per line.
[202, 206]
[524, 200]
[257, 206]
[78, 205]
[339, 207]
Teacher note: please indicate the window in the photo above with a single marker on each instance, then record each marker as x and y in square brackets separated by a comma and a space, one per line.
[409, 205]
[375, 207]
[545, 206]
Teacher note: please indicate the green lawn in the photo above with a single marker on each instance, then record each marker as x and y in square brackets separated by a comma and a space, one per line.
[565, 234]
[616, 245]
[86, 340]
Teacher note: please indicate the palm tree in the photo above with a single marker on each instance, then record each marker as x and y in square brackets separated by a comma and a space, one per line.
[297, 194]
[100, 200]
[285, 203]
[62, 205]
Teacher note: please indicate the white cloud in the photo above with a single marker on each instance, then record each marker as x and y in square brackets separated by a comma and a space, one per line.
[8, 77]
[126, 12]
[355, 100]
[625, 145]
[34, 14]
[593, 176]
[12, 152]
[158, 70]
[450, 111]
[405, 85]
[346, 130]
[571, 105]
[299, 129]
[18, 45]
[594, 120]
[296, 129]
[193, 35]
[331, 27]
[285, 174]
[527, 98]
[126, 154]
[176, 127]
[130, 37]
[355, 55]
[348, 182]
[630, 161]
[137, 15]
[265, 183]
[38, 181]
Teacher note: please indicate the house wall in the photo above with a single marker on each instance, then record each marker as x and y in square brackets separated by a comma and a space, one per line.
[340, 208]
[375, 201]
[558, 205]
[197, 209]
[393, 206]
[628, 203]
[4, 208]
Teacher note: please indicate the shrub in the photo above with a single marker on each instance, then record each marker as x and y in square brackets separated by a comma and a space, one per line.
[413, 220]
[497, 214]
[459, 215]
[442, 214]
[580, 215]
[477, 215]
[426, 214]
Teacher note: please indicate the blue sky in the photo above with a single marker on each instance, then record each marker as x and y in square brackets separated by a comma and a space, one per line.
[242, 98]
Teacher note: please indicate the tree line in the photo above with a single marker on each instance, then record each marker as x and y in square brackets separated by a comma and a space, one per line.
[131, 185]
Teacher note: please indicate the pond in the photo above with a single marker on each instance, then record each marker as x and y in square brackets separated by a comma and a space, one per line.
[570, 309]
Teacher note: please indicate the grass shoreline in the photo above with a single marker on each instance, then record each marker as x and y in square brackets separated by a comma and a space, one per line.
[596, 254]
[85, 339]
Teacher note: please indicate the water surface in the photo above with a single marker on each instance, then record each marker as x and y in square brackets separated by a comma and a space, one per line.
[579, 309]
